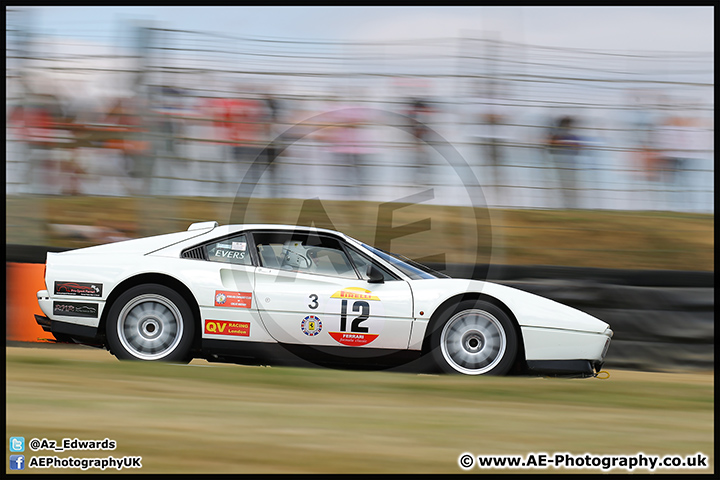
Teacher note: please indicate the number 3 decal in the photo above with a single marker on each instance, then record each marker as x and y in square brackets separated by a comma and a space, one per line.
[314, 302]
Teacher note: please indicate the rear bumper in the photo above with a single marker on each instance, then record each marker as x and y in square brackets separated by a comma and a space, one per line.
[69, 332]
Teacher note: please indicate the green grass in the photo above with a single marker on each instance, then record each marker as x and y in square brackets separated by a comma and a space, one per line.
[215, 418]
[580, 238]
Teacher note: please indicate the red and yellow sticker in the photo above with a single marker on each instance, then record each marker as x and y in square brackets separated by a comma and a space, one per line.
[233, 299]
[353, 339]
[223, 327]
[355, 293]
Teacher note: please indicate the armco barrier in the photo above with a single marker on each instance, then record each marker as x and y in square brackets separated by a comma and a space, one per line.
[663, 320]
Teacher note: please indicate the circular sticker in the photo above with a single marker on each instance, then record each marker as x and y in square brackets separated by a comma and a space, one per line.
[311, 325]
[220, 298]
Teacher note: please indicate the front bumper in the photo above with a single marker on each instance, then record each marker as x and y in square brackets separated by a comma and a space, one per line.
[565, 353]
[558, 344]
[564, 368]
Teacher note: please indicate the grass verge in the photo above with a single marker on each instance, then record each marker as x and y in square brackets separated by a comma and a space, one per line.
[214, 418]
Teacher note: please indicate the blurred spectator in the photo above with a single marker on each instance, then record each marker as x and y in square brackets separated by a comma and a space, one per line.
[127, 136]
[171, 118]
[648, 161]
[217, 110]
[642, 137]
[297, 144]
[72, 173]
[489, 120]
[563, 147]
[590, 165]
[248, 128]
[170, 124]
[273, 133]
[419, 113]
[675, 147]
[36, 122]
[349, 144]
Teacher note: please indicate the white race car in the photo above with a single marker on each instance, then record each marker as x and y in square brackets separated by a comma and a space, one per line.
[270, 294]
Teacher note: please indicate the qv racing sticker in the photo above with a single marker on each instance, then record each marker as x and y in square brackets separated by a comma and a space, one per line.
[224, 327]
[354, 316]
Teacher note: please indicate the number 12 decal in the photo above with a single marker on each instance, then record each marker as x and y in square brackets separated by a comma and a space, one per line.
[355, 331]
[359, 306]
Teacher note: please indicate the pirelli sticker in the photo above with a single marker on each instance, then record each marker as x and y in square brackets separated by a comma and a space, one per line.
[79, 289]
[233, 299]
[355, 293]
[224, 327]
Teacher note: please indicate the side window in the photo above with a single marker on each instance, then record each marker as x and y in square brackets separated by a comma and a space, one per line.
[303, 253]
[330, 261]
[362, 263]
[230, 250]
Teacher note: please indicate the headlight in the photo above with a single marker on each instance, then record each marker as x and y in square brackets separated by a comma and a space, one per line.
[605, 349]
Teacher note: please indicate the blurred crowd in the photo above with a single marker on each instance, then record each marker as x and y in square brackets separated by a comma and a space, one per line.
[169, 142]
[367, 122]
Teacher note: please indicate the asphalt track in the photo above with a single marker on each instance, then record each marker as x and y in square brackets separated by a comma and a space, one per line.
[217, 418]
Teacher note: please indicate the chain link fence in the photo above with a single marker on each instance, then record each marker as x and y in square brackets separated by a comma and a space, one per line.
[168, 113]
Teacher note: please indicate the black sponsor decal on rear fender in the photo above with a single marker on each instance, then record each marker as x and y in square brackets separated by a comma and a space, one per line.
[72, 309]
[79, 289]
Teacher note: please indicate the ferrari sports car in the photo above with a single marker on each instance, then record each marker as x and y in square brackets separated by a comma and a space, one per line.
[266, 294]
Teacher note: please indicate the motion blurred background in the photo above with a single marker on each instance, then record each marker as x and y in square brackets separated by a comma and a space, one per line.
[108, 111]
[593, 151]
[567, 151]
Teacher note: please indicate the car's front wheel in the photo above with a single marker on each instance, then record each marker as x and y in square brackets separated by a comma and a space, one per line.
[474, 337]
[150, 322]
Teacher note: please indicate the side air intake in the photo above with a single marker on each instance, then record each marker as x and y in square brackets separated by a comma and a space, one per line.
[197, 253]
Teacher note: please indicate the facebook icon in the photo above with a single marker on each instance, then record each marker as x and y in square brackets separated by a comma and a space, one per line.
[17, 462]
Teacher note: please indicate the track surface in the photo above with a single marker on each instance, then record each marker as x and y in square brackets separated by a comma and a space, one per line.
[215, 418]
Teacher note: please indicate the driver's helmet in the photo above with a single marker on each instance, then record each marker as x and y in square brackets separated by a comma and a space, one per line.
[294, 254]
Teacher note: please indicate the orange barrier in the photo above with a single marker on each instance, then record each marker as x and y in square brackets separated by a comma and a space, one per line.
[23, 282]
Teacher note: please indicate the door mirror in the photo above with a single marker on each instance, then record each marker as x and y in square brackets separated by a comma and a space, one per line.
[374, 274]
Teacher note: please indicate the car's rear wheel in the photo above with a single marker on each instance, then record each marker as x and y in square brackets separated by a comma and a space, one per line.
[474, 337]
[150, 322]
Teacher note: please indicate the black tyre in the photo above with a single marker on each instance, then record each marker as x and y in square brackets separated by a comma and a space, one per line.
[474, 337]
[150, 322]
